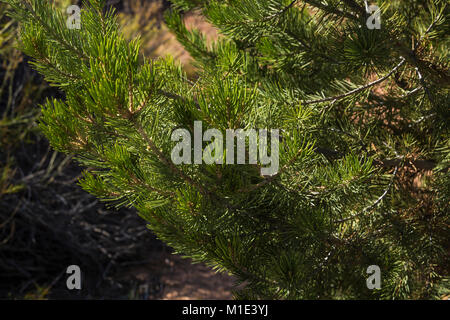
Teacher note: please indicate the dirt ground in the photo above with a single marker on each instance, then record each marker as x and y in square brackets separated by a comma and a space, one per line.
[171, 277]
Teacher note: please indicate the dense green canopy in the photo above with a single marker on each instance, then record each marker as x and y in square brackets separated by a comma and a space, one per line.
[363, 117]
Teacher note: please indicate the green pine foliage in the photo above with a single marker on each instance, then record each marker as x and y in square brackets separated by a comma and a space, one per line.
[364, 147]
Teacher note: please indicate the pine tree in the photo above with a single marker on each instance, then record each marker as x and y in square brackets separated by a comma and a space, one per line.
[364, 144]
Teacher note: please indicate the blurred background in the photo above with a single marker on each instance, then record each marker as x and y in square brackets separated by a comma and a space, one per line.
[47, 222]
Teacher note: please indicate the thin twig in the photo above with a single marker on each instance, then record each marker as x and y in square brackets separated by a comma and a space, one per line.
[371, 84]
[281, 12]
[374, 204]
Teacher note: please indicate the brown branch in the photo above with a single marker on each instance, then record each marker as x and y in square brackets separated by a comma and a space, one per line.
[331, 9]
[352, 4]
[362, 88]
[281, 12]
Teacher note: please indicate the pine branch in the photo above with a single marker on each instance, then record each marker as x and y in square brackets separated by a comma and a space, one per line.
[281, 12]
[161, 156]
[380, 198]
[330, 9]
[362, 88]
[352, 4]
[119, 112]
[272, 178]
[50, 30]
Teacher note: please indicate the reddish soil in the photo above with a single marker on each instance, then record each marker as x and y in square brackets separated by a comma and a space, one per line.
[171, 277]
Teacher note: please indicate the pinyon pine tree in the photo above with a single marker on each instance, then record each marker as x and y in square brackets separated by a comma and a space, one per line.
[362, 113]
